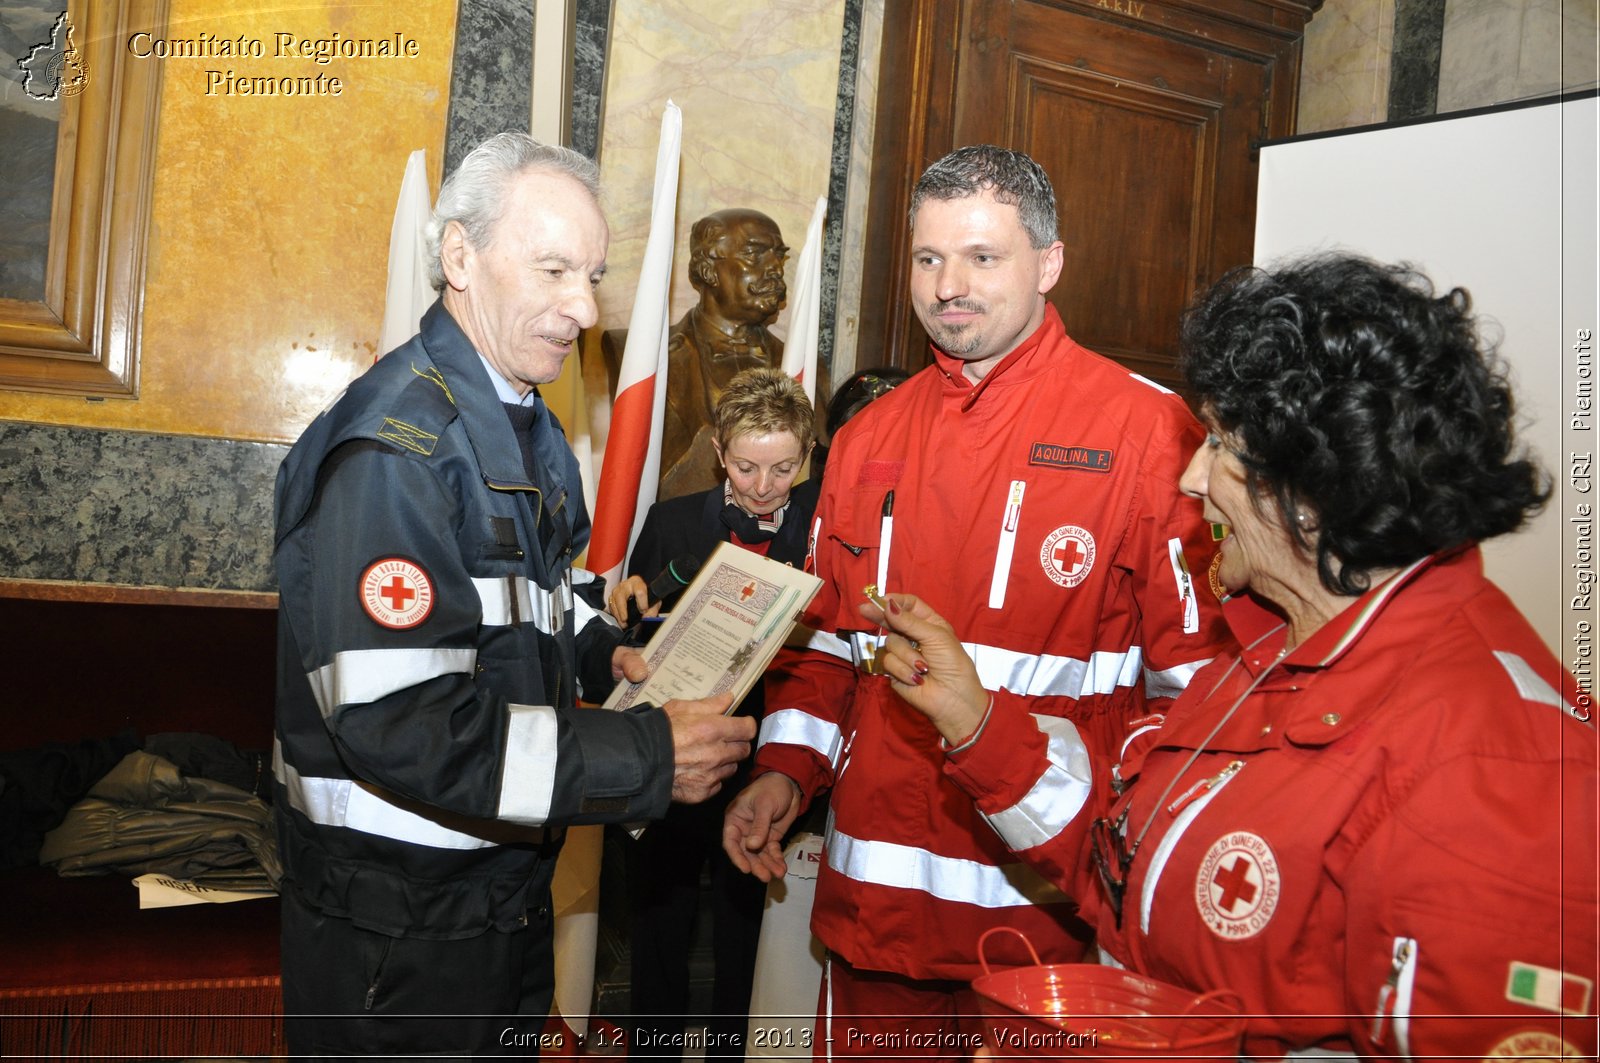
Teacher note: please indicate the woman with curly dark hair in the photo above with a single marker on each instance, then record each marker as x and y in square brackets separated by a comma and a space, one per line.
[1376, 823]
[1351, 394]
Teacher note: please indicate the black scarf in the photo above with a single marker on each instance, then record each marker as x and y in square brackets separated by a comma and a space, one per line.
[750, 529]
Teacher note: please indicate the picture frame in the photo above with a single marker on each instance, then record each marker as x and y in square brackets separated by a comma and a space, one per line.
[83, 336]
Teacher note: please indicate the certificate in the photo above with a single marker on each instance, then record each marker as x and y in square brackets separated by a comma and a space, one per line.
[725, 630]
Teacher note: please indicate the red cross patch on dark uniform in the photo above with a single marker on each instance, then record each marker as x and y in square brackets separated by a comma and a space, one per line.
[396, 593]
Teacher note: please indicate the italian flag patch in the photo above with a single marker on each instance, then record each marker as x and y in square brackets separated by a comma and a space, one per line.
[1548, 989]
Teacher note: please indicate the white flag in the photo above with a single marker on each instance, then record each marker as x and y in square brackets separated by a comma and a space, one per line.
[409, 293]
[805, 315]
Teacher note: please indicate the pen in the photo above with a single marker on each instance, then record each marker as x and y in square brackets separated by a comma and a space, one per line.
[1007, 544]
[885, 536]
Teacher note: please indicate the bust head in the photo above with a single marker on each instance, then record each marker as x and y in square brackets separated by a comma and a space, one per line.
[736, 259]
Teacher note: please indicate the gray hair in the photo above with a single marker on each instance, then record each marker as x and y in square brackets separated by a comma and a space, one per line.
[475, 194]
[1010, 176]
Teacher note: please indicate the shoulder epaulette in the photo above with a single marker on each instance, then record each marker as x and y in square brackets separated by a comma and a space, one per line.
[420, 412]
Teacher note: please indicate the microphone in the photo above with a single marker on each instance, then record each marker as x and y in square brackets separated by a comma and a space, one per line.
[675, 577]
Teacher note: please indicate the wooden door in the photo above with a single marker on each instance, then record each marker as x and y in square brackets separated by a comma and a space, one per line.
[1143, 113]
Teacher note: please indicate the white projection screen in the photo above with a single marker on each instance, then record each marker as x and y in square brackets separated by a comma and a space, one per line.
[1501, 203]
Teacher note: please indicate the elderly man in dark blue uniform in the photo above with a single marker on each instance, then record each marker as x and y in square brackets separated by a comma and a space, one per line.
[434, 640]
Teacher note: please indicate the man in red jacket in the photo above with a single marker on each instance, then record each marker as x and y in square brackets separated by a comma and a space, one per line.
[1033, 484]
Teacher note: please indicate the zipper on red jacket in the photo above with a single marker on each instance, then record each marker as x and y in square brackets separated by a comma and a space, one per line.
[1394, 997]
[1184, 811]
[1203, 786]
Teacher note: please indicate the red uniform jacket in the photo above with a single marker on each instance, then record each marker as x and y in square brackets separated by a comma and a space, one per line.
[1039, 513]
[1388, 844]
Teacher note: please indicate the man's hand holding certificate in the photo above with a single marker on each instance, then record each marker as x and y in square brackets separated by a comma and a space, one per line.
[724, 630]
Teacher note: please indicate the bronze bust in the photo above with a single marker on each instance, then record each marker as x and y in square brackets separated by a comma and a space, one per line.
[736, 259]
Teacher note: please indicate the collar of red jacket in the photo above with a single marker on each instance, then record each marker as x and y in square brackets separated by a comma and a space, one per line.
[1333, 640]
[1012, 366]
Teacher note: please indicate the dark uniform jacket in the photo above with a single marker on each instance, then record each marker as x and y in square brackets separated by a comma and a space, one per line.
[432, 642]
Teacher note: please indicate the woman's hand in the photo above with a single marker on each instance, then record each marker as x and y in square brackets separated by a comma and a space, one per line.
[631, 589]
[928, 667]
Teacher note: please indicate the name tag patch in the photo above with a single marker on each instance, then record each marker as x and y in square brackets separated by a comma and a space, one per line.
[1065, 456]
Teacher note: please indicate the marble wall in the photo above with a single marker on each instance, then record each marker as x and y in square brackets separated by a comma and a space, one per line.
[590, 38]
[1496, 51]
[1366, 62]
[1414, 62]
[855, 168]
[131, 508]
[1344, 71]
[491, 89]
[757, 84]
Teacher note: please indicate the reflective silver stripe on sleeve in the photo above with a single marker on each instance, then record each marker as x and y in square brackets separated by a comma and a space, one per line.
[797, 728]
[530, 768]
[1530, 685]
[946, 877]
[1058, 795]
[356, 677]
[502, 599]
[563, 601]
[1040, 675]
[342, 803]
[803, 637]
[583, 612]
[1170, 682]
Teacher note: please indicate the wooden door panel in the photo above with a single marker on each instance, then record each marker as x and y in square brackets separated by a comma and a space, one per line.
[1130, 122]
[1132, 169]
[1143, 112]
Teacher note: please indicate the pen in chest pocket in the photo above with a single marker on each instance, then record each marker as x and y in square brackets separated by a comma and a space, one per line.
[1008, 541]
[885, 537]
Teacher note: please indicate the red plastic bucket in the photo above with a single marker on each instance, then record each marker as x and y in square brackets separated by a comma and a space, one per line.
[1065, 1010]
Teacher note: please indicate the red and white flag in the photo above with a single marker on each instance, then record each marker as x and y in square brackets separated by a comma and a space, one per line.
[632, 465]
[409, 292]
[805, 314]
